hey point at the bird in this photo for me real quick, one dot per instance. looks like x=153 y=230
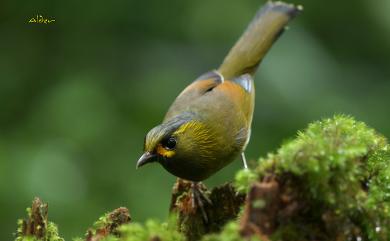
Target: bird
x=209 y=123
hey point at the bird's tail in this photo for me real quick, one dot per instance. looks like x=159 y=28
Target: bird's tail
x=262 y=32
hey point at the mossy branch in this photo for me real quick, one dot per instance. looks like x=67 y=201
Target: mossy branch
x=225 y=206
x=36 y=226
x=332 y=182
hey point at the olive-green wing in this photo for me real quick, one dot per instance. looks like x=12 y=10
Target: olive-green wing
x=191 y=93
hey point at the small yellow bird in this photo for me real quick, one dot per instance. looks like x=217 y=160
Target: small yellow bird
x=209 y=123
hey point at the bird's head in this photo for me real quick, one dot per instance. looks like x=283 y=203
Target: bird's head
x=176 y=143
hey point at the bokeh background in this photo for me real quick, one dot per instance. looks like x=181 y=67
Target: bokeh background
x=77 y=96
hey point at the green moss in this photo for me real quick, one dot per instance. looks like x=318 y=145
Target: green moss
x=78 y=239
x=166 y=231
x=377 y=203
x=102 y=222
x=110 y=238
x=108 y=224
x=50 y=232
x=340 y=168
x=243 y=179
x=27 y=238
x=229 y=233
x=330 y=155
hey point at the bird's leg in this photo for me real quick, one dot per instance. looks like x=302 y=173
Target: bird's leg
x=198 y=198
x=244 y=160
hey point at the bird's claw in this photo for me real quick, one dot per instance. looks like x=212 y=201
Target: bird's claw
x=197 y=200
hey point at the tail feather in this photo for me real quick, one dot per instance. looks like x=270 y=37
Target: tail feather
x=262 y=32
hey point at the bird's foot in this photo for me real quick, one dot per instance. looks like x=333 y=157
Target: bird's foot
x=199 y=199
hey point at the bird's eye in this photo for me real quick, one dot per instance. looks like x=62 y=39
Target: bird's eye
x=170 y=143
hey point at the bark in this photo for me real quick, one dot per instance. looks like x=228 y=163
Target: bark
x=225 y=206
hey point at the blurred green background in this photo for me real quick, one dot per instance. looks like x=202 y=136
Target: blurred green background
x=77 y=96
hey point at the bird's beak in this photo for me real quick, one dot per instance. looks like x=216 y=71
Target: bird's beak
x=146 y=158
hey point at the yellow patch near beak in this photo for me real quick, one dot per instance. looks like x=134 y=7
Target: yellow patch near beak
x=164 y=152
